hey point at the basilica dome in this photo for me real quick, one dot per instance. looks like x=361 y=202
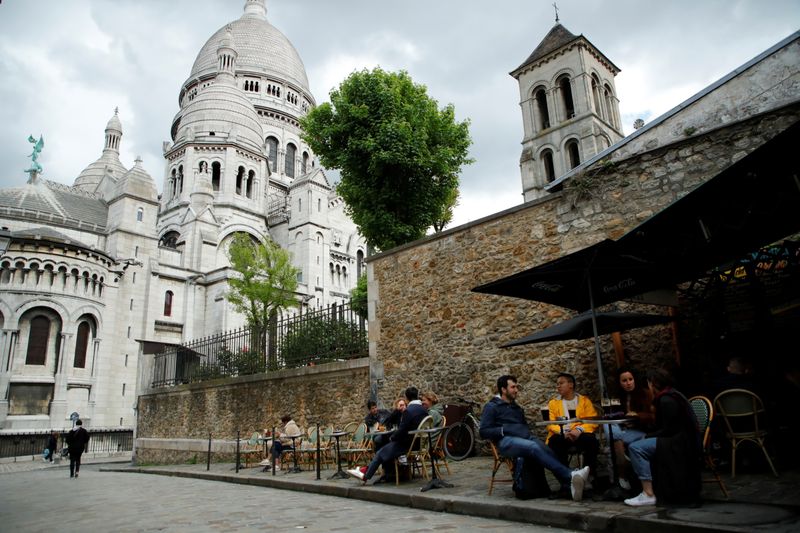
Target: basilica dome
x=221 y=110
x=262 y=49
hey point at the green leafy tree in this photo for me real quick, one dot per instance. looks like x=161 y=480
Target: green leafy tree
x=447 y=213
x=265 y=285
x=358 y=297
x=399 y=155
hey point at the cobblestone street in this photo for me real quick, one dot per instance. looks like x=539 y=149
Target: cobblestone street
x=45 y=499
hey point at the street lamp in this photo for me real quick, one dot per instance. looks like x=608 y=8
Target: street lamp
x=5 y=240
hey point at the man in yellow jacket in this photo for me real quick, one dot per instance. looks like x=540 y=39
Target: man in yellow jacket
x=560 y=438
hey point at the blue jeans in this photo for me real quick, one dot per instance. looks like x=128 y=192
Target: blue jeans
x=536 y=450
x=627 y=435
x=641 y=452
x=385 y=456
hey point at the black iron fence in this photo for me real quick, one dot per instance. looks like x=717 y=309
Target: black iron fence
x=335 y=333
x=33 y=443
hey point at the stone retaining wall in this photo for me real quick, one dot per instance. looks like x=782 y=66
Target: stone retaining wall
x=429 y=330
x=174 y=423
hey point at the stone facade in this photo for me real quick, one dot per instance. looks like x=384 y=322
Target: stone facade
x=428 y=329
x=111 y=256
x=175 y=423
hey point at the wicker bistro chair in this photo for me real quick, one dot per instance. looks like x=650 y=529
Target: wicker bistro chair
x=743 y=413
x=356 y=450
x=417 y=453
x=438 y=448
x=308 y=449
x=704 y=413
x=499 y=461
x=252 y=450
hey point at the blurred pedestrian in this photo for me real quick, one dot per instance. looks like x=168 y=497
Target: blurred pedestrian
x=77 y=441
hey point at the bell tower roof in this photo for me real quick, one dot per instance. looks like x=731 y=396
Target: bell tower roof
x=557 y=38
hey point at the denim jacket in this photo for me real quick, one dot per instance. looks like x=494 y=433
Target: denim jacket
x=501 y=418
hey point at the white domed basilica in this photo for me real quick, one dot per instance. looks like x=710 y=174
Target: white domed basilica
x=98 y=273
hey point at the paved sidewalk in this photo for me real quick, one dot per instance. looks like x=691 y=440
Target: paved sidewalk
x=757 y=502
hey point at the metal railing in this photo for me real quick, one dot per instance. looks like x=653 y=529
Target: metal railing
x=33 y=443
x=335 y=333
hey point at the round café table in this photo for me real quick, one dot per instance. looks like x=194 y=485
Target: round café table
x=435 y=482
x=339 y=474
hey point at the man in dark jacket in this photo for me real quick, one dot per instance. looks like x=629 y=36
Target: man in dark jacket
x=503 y=422
x=77 y=439
x=400 y=439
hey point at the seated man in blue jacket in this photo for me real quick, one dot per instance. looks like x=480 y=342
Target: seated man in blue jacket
x=503 y=422
x=400 y=439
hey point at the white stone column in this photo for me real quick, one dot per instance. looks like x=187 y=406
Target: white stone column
x=8 y=347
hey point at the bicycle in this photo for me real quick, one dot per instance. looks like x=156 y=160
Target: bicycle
x=460 y=437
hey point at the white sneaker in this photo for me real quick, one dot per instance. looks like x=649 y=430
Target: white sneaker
x=641 y=500
x=624 y=483
x=356 y=473
x=579 y=478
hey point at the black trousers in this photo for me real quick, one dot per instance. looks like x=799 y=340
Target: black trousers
x=586 y=444
x=74 y=463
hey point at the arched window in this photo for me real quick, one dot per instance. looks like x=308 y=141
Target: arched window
x=598 y=108
x=168 y=303
x=173 y=183
x=319 y=205
x=549 y=169
x=251 y=178
x=299 y=205
x=304 y=167
x=180 y=179
x=566 y=96
x=359 y=263
x=272 y=153
x=216 y=172
x=37 y=341
x=609 y=97
x=170 y=240
x=541 y=105
x=291 y=153
x=573 y=154
x=239 y=179
x=139 y=214
x=82 y=344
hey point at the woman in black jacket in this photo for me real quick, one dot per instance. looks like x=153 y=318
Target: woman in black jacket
x=667 y=460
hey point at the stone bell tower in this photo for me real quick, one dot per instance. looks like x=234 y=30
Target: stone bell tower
x=569 y=107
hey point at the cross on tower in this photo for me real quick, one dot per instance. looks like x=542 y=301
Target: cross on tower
x=555 y=6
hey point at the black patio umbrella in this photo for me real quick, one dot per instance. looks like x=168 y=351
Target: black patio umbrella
x=580 y=326
x=603 y=273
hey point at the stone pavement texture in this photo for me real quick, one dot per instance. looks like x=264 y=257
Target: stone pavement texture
x=758 y=502
x=45 y=500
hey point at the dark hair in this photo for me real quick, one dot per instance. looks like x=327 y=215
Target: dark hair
x=660 y=378
x=371 y=404
x=570 y=377
x=286 y=418
x=79 y=422
x=412 y=394
x=502 y=382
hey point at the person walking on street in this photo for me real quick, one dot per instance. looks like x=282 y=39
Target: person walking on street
x=77 y=440
x=52 y=444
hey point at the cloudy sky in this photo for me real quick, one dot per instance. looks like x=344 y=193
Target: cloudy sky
x=65 y=66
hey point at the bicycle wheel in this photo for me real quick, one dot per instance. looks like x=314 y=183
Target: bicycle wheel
x=459 y=441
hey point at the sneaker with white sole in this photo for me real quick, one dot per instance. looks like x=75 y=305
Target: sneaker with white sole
x=624 y=484
x=641 y=500
x=356 y=473
x=578 y=482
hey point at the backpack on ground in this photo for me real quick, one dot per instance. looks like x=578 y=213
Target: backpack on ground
x=529 y=480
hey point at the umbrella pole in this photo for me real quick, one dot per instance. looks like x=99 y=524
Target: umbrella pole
x=597 y=354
